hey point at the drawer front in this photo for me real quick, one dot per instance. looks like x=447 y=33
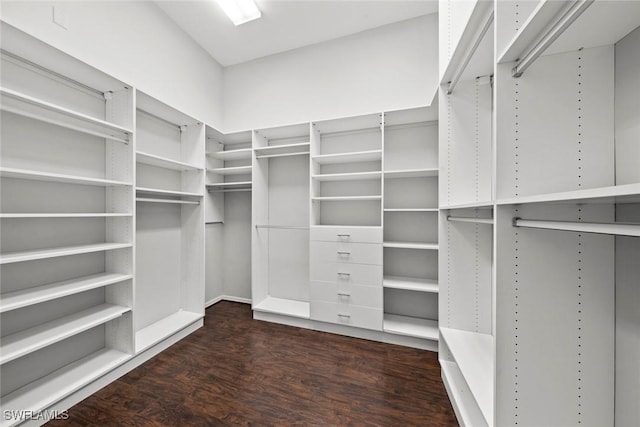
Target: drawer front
x=345 y=294
x=346 y=234
x=356 y=316
x=339 y=272
x=358 y=253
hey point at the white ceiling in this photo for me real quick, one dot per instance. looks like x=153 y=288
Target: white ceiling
x=285 y=24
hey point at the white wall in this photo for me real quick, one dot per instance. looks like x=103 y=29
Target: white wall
x=136 y=43
x=390 y=67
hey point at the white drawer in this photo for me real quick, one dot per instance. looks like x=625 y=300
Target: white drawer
x=340 y=272
x=346 y=234
x=352 y=315
x=346 y=294
x=358 y=253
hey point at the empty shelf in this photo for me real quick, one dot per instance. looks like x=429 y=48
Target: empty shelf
x=65 y=215
x=345 y=198
x=353 y=157
x=411 y=245
x=354 y=176
x=46 y=391
x=237 y=170
x=164 y=328
x=56 y=177
x=27 y=106
x=411 y=209
x=411 y=173
x=22 y=343
x=411 y=326
x=20 y=256
x=282 y=150
x=163 y=162
x=18 y=299
x=170 y=193
x=168 y=201
x=286 y=307
x=238 y=184
x=471 y=205
x=239 y=154
x=629 y=193
x=410 y=284
x=473 y=353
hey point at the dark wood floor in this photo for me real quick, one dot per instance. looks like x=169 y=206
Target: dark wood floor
x=236 y=370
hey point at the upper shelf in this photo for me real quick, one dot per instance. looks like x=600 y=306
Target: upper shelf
x=282 y=150
x=352 y=157
x=239 y=154
x=27 y=106
x=629 y=193
x=612 y=19
x=411 y=173
x=237 y=170
x=35 y=254
x=56 y=177
x=351 y=176
x=163 y=162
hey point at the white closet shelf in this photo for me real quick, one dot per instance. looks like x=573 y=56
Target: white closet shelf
x=236 y=170
x=170 y=193
x=284 y=149
x=352 y=157
x=164 y=162
x=65 y=215
x=23 y=298
x=167 y=201
x=46 y=391
x=411 y=173
x=353 y=176
x=27 y=106
x=410 y=326
x=164 y=328
x=628 y=193
x=31 y=255
x=410 y=284
x=56 y=177
x=239 y=154
x=473 y=353
x=411 y=209
x=24 y=342
x=286 y=307
x=345 y=198
x=238 y=184
x=471 y=205
x=464 y=405
x=411 y=245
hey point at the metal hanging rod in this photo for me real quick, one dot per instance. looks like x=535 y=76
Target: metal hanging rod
x=160 y=119
x=555 y=31
x=214 y=222
x=615 y=228
x=229 y=190
x=268 y=156
x=477 y=39
x=284 y=227
x=473 y=220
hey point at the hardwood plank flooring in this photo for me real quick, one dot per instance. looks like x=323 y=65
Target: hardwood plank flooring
x=240 y=371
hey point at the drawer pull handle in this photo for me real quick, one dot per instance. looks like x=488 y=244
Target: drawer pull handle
x=344 y=294
x=344 y=253
x=348 y=316
x=344 y=274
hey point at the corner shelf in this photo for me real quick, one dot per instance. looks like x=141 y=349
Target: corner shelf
x=18 y=299
x=31 y=255
x=239 y=154
x=164 y=328
x=410 y=326
x=27 y=106
x=282 y=150
x=411 y=245
x=24 y=342
x=164 y=162
x=352 y=157
x=56 y=177
x=351 y=176
x=410 y=284
x=284 y=307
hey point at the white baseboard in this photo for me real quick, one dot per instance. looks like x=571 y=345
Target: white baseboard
x=236 y=299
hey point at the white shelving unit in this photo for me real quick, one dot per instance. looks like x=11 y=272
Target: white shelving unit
x=170 y=154
x=280 y=222
x=411 y=224
x=539 y=213
x=66 y=171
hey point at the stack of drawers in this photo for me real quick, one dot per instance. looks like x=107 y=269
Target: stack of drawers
x=346 y=276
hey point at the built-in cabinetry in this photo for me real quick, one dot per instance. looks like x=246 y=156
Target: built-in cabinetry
x=540 y=212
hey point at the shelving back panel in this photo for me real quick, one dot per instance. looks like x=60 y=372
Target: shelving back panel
x=352 y=134
x=555 y=319
x=350 y=213
x=556 y=124
x=465 y=132
x=512 y=16
x=410 y=193
x=417 y=227
x=452 y=18
x=466 y=289
x=412 y=304
x=421 y=264
x=369 y=187
x=284 y=135
x=411 y=139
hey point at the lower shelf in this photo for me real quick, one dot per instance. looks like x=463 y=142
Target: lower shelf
x=287 y=307
x=54 y=387
x=473 y=353
x=466 y=409
x=410 y=284
x=411 y=326
x=156 y=332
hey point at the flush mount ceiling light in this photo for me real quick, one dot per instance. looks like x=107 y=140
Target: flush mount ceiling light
x=240 y=11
